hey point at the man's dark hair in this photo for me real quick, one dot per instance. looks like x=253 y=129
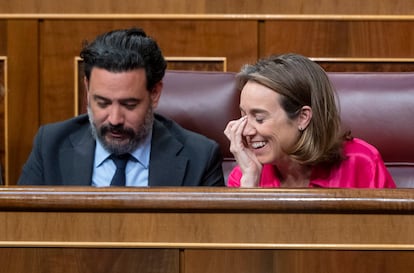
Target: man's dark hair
x=125 y=50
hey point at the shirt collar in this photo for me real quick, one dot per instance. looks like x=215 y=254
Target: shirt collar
x=141 y=154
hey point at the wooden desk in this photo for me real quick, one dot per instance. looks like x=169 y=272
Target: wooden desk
x=197 y=230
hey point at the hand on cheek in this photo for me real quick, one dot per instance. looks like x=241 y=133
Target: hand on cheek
x=234 y=130
x=246 y=159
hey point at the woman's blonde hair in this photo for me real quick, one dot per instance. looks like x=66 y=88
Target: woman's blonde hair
x=302 y=82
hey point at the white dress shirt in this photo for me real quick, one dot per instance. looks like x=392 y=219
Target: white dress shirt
x=136 y=170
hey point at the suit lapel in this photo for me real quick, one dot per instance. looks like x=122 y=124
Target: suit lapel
x=78 y=160
x=167 y=167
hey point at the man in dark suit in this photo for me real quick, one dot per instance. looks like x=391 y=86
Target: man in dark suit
x=123 y=78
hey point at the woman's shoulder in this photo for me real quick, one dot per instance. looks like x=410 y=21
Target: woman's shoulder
x=365 y=162
x=357 y=146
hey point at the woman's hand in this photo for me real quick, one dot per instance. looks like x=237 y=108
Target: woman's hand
x=251 y=168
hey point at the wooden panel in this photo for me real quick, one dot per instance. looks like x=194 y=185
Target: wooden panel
x=80 y=260
x=23 y=93
x=61 y=42
x=224 y=261
x=99 y=260
x=200 y=230
x=311 y=7
x=263 y=229
x=197 y=63
x=297 y=261
x=3 y=35
x=211 y=6
x=339 y=261
x=366 y=65
x=3 y=130
x=219 y=217
x=3 y=57
x=342 y=38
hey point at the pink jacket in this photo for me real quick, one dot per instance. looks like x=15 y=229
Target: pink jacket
x=363 y=167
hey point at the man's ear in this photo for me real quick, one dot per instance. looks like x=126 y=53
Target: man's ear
x=305 y=117
x=156 y=93
x=86 y=84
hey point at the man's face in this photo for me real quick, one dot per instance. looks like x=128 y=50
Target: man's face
x=120 y=108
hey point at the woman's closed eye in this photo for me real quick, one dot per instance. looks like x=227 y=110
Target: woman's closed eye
x=259 y=119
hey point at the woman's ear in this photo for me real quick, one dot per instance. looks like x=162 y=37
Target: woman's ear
x=305 y=116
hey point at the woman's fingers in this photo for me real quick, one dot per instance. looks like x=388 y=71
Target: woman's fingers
x=247 y=161
x=235 y=127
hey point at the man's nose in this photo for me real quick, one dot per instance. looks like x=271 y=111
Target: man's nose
x=116 y=115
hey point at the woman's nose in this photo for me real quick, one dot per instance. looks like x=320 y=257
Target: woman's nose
x=248 y=129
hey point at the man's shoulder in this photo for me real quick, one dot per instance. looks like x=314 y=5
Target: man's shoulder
x=74 y=122
x=61 y=130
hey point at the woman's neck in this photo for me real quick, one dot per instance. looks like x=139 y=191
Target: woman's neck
x=293 y=175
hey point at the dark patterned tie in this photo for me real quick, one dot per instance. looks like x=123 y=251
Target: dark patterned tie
x=120 y=161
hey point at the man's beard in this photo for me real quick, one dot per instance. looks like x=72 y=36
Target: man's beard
x=134 y=139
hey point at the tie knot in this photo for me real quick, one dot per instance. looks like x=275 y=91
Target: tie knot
x=120 y=160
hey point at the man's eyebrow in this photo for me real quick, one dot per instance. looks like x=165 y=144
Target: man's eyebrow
x=97 y=97
x=126 y=100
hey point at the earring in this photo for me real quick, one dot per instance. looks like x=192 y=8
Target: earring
x=300 y=128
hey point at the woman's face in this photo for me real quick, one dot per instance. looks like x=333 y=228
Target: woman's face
x=269 y=133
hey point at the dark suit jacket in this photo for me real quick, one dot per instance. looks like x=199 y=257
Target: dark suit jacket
x=63 y=154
